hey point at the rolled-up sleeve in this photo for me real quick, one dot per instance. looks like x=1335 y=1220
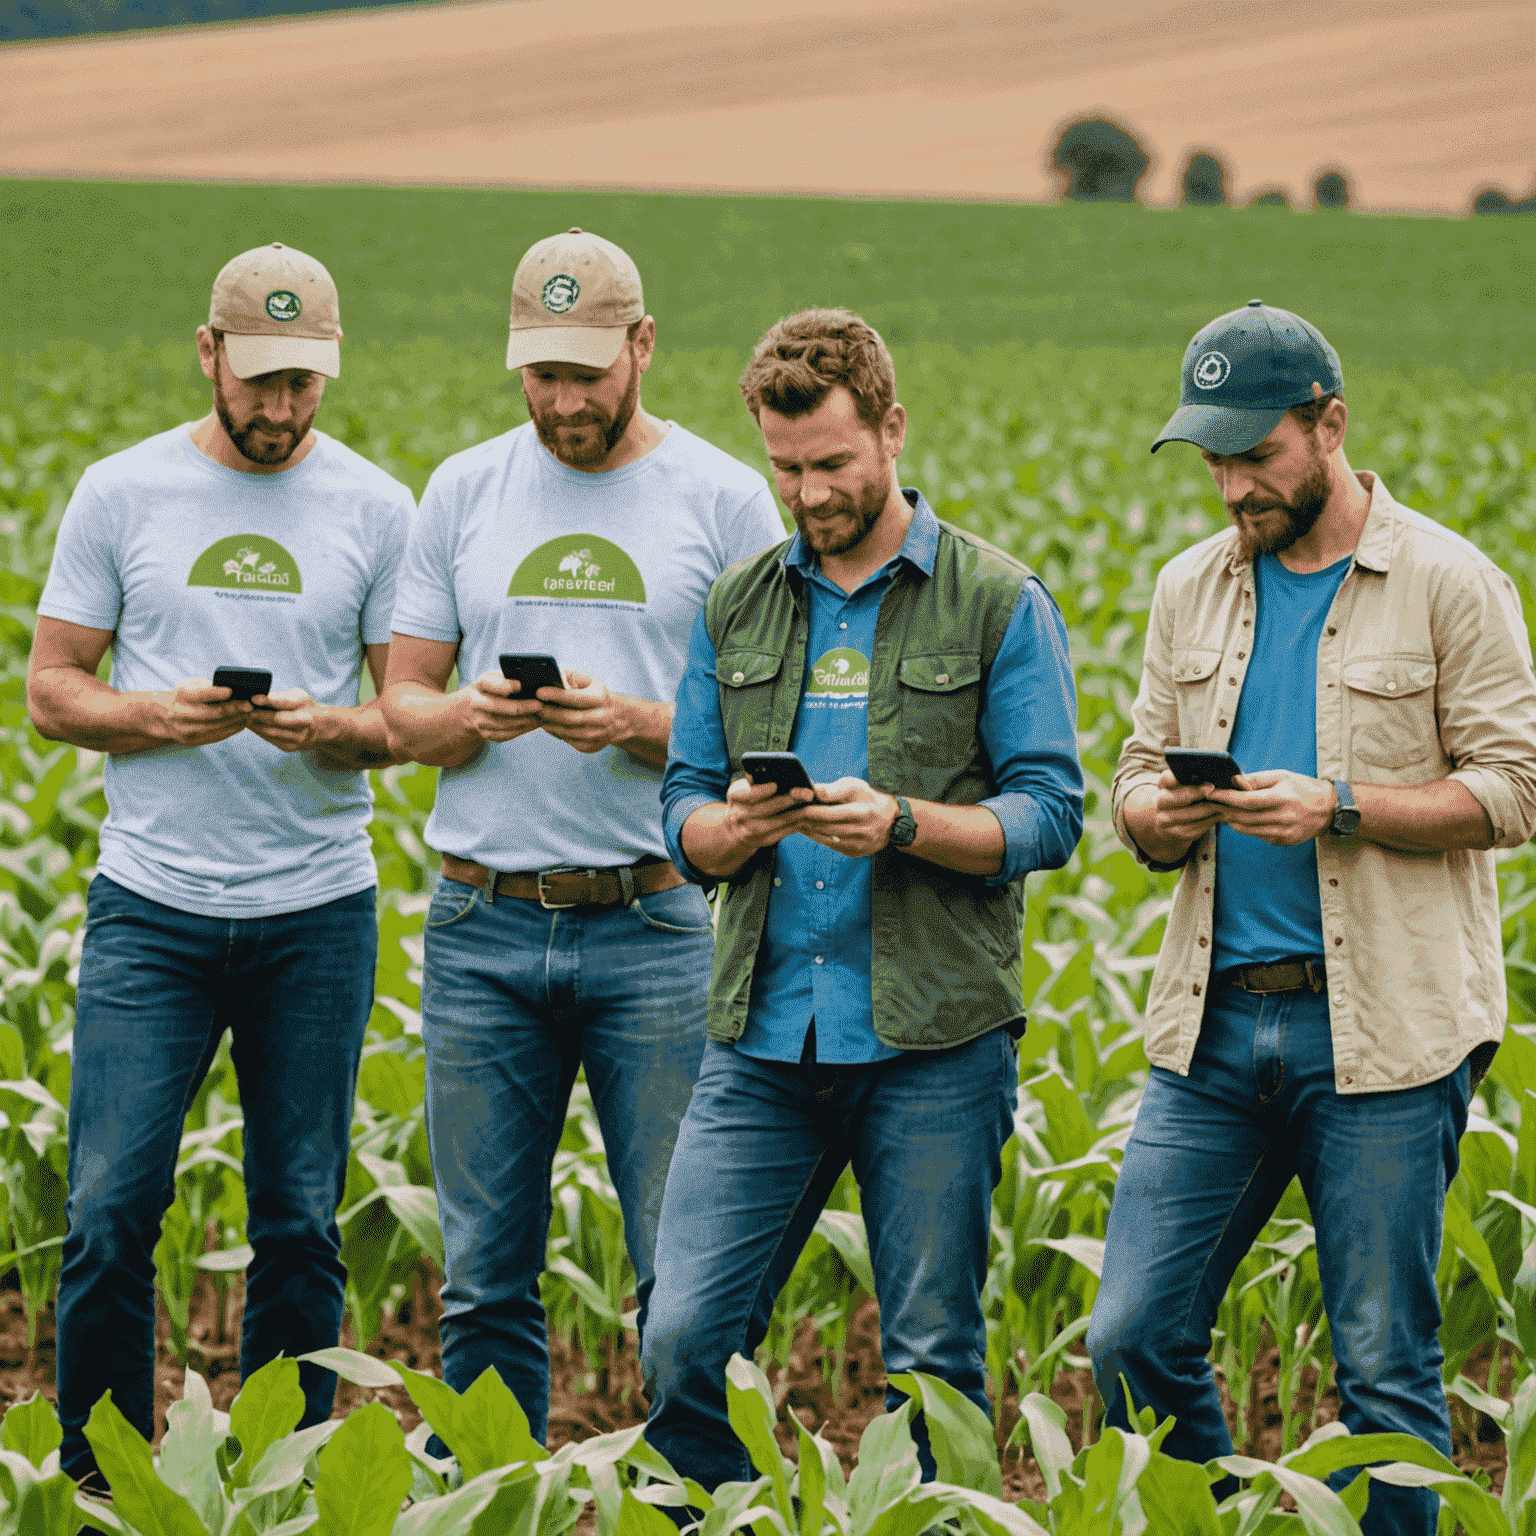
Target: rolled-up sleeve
x=1028 y=726
x=698 y=763
x=1487 y=700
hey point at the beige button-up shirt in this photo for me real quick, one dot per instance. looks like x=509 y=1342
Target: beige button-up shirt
x=1423 y=672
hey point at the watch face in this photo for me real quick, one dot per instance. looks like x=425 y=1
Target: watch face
x=1346 y=821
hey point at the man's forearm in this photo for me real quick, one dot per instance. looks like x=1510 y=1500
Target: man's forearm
x=428 y=726
x=651 y=728
x=966 y=838
x=362 y=740
x=1140 y=814
x=1424 y=818
x=67 y=704
x=708 y=843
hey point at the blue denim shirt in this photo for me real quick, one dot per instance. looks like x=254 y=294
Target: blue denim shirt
x=815 y=958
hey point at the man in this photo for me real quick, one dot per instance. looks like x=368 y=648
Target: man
x=865 y=996
x=560 y=935
x=1331 y=984
x=235 y=889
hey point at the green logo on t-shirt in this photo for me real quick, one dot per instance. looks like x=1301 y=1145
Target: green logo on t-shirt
x=248 y=562
x=842 y=674
x=580 y=567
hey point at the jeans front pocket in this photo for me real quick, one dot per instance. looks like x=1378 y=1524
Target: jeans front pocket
x=451 y=900
x=680 y=909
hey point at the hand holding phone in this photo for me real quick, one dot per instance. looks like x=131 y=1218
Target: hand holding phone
x=783 y=770
x=532 y=671
x=1190 y=766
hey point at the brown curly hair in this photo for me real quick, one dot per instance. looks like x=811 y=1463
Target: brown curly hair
x=807 y=354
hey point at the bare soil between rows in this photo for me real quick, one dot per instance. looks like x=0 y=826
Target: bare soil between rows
x=591 y=1398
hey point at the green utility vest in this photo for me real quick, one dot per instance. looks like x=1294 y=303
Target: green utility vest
x=945 y=946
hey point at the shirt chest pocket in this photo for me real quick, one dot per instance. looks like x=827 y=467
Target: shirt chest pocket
x=1194 y=683
x=1391 y=701
x=940 y=699
x=746 y=680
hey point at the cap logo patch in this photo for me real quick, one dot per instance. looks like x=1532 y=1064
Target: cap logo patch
x=1211 y=371
x=283 y=305
x=560 y=293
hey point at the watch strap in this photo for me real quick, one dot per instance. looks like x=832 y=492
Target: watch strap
x=904 y=828
x=1346 y=814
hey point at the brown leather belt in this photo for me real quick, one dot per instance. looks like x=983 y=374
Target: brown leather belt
x=1282 y=976
x=568 y=890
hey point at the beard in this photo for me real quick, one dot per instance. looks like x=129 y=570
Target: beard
x=864 y=508
x=1298 y=516
x=589 y=436
x=244 y=437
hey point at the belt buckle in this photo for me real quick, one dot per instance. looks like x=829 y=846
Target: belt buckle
x=557 y=906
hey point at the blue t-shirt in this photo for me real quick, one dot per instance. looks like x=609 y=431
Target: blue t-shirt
x=194 y=566
x=515 y=551
x=814 y=959
x=1267 y=905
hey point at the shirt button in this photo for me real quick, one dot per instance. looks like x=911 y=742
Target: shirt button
x=821 y=885
x=1232 y=682
x=1338 y=997
x=843 y=625
x=1221 y=722
x=1241 y=655
x=941 y=677
x=1391 y=687
x=738 y=677
x=1349 y=1079
x=1332 y=630
x=777 y=881
x=820 y=961
x=1197 y=989
x=1333 y=882
x=1203 y=943
x=1338 y=942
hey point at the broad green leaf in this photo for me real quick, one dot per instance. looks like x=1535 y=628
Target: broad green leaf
x=415 y=1208
x=484 y=1428
x=32 y=1428
x=138 y=1495
x=284 y=1462
x=753 y=1416
x=887 y=1469
x=365 y=1475
x=637 y=1519
x=453 y=1514
x=187 y=1451
x=48 y=1509
x=1087 y=1251
x=354 y=1366
x=1047 y=1426
x=1176 y=1496
x=920 y=1511
x=811 y=1485
x=1321 y=1510
x=1338 y=1451
x=992 y=1517
x=1520 y=1459
x=959 y=1433
x=845 y=1231
x=269 y=1404
x=1525 y=1303
x=1460 y=1231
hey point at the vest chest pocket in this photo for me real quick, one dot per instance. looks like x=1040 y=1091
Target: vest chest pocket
x=1194 y=681
x=746 y=680
x=1391 y=721
x=940 y=697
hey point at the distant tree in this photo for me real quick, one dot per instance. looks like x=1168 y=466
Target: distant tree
x=1331 y=190
x=1102 y=161
x=1496 y=200
x=1205 y=180
x=1273 y=197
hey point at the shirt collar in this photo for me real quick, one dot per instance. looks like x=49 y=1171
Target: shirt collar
x=919 y=549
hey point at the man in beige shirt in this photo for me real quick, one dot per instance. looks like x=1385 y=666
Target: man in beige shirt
x=1331 y=984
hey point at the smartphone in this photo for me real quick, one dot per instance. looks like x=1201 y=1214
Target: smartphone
x=532 y=672
x=783 y=770
x=1189 y=766
x=243 y=682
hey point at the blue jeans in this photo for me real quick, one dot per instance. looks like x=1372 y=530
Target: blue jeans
x=158 y=987
x=761 y=1147
x=1209 y=1158
x=514 y=999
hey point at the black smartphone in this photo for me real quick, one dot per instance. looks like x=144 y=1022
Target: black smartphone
x=1190 y=766
x=782 y=769
x=243 y=682
x=532 y=672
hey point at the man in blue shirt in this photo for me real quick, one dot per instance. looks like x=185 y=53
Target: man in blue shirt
x=865 y=995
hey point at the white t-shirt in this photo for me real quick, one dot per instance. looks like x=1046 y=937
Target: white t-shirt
x=196 y=566
x=516 y=552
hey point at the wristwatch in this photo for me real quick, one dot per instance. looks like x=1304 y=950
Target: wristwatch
x=904 y=828
x=1346 y=814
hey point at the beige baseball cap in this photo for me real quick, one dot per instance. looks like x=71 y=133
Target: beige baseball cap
x=573 y=298
x=278 y=308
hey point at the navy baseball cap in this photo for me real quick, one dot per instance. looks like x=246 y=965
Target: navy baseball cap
x=1243 y=372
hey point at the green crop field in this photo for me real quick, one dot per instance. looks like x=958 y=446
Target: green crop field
x=1037 y=353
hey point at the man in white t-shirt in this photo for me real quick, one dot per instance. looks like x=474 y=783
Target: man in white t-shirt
x=560 y=935
x=235 y=888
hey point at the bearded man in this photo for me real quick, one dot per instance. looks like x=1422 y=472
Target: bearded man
x=235 y=888
x=560 y=935
x=866 y=991
x=1331 y=985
